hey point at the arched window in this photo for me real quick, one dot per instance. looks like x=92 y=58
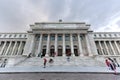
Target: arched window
x=44 y=46
x=59 y=47
x=67 y=47
x=75 y=46
x=52 y=47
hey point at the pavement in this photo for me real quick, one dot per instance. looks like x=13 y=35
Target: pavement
x=59 y=73
x=59 y=69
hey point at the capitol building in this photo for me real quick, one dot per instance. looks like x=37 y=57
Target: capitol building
x=23 y=53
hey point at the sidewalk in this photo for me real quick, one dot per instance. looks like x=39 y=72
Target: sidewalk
x=58 y=69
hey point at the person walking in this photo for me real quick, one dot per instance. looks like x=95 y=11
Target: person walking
x=68 y=56
x=112 y=64
x=117 y=64
x=45 y=62
x=108 y=63
x=4 y=63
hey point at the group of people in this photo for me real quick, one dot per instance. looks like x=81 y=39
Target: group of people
x=51 y=60
x=112 y=63
x=4 y=62
x=45 y=61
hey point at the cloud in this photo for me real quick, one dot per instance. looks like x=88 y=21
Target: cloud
x=16 y=15
x=113 y=24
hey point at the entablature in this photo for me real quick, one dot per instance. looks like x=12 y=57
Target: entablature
x=13 y=35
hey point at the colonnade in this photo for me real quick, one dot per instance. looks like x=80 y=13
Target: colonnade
x=108 y=47
x=11 y=47
x=74 y=40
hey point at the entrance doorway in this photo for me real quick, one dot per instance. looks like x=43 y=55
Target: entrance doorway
x=68 y=50
x=76 y=50
x=43 y=51
x=59 y=50
x=52 y=51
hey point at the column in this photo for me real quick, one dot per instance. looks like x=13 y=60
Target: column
x=19 y=48
x=101 y=48
x=106 y=48
x=71 y=42
x=0 y=42
x=13 y=50
x=32 y=44
x=56 y=49
x=48 y=43
x=88 y=45
x=117 y=47
x=80 y=46
x=64 y=45
x=40 y=44
x=0 y=45
x=8 y=48
x=112 y=48
x=5 y=42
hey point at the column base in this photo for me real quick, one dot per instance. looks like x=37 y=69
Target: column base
x=46 y=55
x=73 y=54
x=90 y=55
x=64 y=55
x=81 y=55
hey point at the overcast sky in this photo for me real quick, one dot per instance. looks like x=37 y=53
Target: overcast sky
x=17 y=15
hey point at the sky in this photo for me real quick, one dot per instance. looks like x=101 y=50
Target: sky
x=17 y=15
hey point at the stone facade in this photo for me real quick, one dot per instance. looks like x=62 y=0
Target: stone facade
x=58 y=40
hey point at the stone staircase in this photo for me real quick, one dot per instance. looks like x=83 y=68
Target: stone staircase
x=58 y=61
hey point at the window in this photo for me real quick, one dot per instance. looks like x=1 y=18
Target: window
x=20 y=35
x=5 y=35
x=110 y=35
x=105 y=35
x=59 y=47
x=75 y=46
x=99 y=35
x=24 y=35
x=45 y=37
x=15 y=35
x=74 y=37
x=10 y=36
x=52 y=37
x=94 y=35
x=81 y=37
x=67 y=47
x=59 y=37
x=42 y=79
x=52 y=47
x=67 y=37
x=115 y=35
x=37 y=37
x=44 y=46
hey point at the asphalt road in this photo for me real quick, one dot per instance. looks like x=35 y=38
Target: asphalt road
x=59 y=76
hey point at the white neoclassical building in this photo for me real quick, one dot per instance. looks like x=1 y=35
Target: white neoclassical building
x=57 y=40
x=22 y=54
